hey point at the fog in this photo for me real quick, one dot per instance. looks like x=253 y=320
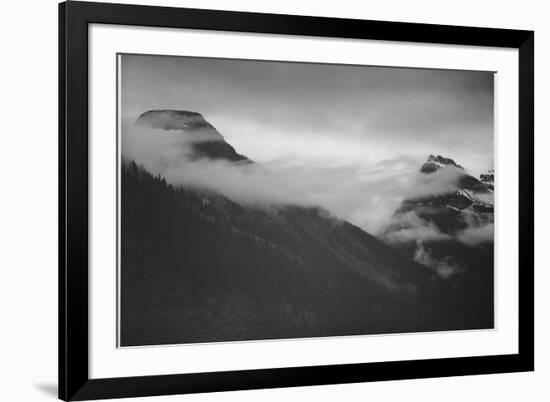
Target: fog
x=365 y=195
x=477 y=234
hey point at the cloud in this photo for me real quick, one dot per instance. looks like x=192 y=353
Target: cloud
x=475 y=235
x=410 y=227
x=366 y=195
x=445 y=267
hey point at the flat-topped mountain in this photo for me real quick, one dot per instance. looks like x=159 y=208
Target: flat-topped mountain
x=167 y=119
x=205 y=141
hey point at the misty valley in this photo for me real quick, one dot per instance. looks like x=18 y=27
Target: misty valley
x=199 y=263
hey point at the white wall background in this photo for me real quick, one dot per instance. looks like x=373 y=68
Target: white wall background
x=28 y=199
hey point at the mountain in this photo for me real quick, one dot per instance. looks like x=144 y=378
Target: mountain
x=488 y=179
x=199 y=267
x=467 y=205
x=434 y=163
x=452 y=232
x=205 y=140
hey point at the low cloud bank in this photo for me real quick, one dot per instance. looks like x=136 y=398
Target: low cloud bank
x=477 y=235
x=410 y=227
x=366 y=195
x=407 y=228
x=446 y=267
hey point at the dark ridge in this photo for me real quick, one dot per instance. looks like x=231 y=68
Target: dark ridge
x=218 y=150
x=468 y=182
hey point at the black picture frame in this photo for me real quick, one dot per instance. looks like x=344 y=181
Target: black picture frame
x=74 y=380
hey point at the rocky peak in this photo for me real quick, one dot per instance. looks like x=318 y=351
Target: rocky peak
x=435 y=163
x=469 y=191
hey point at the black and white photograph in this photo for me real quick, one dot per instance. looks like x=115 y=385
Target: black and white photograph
x=213 y=201
x=273 y=200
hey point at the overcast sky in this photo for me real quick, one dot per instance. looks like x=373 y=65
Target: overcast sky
x=365 y=126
